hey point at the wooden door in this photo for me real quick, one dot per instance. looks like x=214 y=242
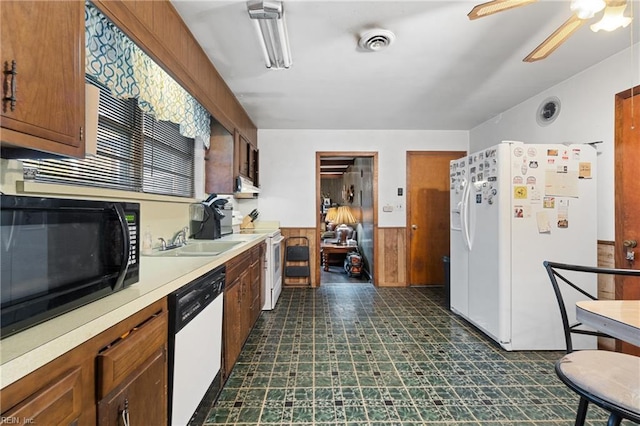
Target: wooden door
x=46 y=41
x=627 y=195
x=428 y=214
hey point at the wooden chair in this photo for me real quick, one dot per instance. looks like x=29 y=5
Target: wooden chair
x=610 y=380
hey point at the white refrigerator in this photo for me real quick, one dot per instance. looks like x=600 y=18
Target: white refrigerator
x=513 y=206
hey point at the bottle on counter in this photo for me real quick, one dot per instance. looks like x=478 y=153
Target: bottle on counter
x=147 y=242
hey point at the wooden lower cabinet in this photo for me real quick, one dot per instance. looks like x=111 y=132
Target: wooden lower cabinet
x=57 y=403
x=91 y=384
x=232 y=328
x=132 y=376
x=138 y=399
x=242 y=302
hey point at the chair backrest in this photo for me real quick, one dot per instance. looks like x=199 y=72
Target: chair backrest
x=556 y=277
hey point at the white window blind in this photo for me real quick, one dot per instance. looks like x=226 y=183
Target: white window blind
x=134 y=153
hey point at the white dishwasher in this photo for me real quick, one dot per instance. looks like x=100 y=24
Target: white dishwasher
x=195 y=345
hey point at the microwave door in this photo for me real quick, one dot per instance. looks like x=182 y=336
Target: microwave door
x=126 y=242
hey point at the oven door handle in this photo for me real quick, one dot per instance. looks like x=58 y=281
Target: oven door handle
x=126 y=246
x=277 y=240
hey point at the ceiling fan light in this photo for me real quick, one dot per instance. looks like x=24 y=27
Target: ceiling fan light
x=586 y=9
x=613 y=19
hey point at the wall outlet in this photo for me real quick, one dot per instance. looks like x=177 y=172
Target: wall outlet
x=398 y=207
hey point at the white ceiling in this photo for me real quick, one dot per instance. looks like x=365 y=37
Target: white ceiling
x=443 y=71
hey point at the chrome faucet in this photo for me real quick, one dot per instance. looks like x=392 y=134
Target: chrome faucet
x=180 y=239
x=163 y=244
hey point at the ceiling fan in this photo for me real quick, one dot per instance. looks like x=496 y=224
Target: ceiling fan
x=583 y=10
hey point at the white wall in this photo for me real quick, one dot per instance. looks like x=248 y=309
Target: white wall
x=288 y=167
x=587 y=114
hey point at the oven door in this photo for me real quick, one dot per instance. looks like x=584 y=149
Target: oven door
x=58 y=254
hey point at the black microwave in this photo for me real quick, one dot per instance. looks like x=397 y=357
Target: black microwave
x=58 y=254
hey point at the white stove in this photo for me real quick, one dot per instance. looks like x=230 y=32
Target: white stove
x=273 y=262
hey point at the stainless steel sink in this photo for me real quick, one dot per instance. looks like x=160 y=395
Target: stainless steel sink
x=198 y=248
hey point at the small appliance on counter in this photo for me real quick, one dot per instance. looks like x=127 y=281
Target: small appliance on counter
x=59 y=254
x=210 y=219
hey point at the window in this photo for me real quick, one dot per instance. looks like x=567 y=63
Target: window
x=134 y=153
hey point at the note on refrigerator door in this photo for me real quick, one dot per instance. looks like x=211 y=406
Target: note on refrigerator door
x=563 y=213
x=542 y=220
x=584 y=170
x=561 y=184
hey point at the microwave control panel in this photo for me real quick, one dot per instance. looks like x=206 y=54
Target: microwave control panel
x=132 y=221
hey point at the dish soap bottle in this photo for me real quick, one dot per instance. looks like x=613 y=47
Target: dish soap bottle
x=147 y=242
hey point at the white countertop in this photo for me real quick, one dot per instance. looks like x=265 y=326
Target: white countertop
x=30 y=349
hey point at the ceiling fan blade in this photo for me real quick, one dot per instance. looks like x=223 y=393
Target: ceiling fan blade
x=555 y=40
x=495 y=6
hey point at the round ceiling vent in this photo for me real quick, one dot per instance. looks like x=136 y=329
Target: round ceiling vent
x=548 y=111
x=375 y=40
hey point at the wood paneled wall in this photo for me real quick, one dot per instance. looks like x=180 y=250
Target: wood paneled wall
x=391 y=257
x=314 y=264
x=389 y=263
x=159 y=30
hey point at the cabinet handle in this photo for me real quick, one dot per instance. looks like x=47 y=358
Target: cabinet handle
x=125 y=413
x=12 y=72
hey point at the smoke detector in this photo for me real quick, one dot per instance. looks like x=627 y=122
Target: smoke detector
x=376 y=40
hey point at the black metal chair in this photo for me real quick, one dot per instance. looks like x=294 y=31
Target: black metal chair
x=610 y=380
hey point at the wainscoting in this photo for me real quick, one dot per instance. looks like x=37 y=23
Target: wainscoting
x=391 y=257
x=390 y=263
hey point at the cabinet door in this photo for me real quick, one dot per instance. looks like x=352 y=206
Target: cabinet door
x=141 y=399
x=218 y=166
x=232 y=324
x=242 y=155
x=59 y=403
x=46 y=41
x=247 y=299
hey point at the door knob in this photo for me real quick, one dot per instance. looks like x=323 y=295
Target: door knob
x=414 y=227
x=630 y=243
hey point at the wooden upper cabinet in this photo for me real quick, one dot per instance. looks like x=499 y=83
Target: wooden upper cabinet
x=219 y=161
x=46 y=41
x=247 y=158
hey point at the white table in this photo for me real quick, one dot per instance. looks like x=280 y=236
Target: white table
x=617 y=318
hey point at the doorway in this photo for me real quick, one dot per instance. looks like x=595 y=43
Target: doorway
x=428 y=215
x=346 y=181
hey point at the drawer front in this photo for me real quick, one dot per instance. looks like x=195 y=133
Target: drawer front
x=237 y=266
x=126 y=354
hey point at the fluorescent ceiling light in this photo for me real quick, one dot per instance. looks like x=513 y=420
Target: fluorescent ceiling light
x=268 y=18
x=613 y=18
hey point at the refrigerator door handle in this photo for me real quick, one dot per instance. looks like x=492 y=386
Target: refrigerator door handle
x=452 y=220
x=466 y=236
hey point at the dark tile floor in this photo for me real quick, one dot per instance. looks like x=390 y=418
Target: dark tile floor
x=353 y=354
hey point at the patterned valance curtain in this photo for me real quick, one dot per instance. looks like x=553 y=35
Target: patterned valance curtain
x=117 y=62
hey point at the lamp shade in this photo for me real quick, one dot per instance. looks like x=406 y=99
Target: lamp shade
x=331 y=214
x=345 y=215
